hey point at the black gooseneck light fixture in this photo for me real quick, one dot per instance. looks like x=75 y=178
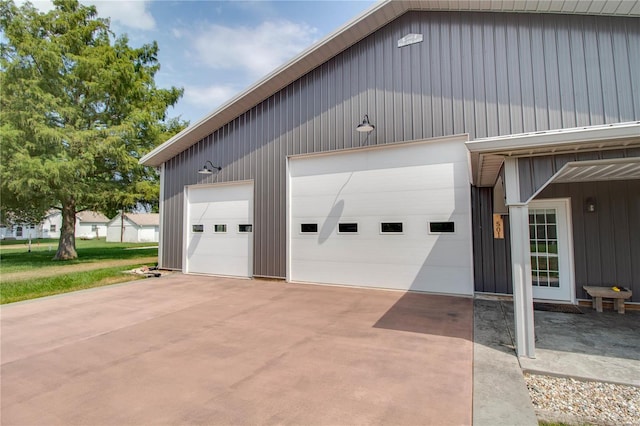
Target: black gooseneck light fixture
x=365 y=126
x=207 y=171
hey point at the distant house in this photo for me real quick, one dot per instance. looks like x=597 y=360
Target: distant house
x=20 y=231
x=89 y=225
x=50 y=226
x=134 y=228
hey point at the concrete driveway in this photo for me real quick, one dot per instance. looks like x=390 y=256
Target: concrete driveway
x=195 y=350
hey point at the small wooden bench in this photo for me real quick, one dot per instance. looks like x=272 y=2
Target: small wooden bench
x=597 y=293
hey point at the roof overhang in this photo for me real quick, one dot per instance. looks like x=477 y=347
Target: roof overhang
x=368 y=22
x=599 y=170
x=487 y=155
x=608 y=169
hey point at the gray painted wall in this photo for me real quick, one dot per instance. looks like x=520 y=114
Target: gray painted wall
x=491 y=256
x=485 y=74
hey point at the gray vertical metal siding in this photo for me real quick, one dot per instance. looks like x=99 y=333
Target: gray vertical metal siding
x=485 y=74
x=491 y=256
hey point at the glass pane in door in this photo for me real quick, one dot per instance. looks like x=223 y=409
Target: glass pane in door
x=543 y=237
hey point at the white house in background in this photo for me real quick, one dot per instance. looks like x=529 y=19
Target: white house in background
x=134 y=228
x=18 y=232
x=89 y=225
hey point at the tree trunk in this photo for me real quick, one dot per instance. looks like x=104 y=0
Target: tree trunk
x=67 y=243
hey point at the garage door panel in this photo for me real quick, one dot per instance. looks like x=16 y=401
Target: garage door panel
x=363 y=160
x=219 y=253
x=390 y=180
x=220 y=194
x=220 y=246
x=359 y=274
x=438 y=202
x=428 y=252
x=228 y=210
x=383 y=185
x=362 y=251
x=440 y=279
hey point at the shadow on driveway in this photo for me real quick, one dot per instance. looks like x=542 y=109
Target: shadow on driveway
x=430 y=314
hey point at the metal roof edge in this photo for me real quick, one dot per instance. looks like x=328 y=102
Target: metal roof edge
x=555 y=137
x=148 y=158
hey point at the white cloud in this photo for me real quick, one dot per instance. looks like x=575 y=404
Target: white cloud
x=256 y=50
x=41 y=5
x=128 y=13
x=209 y=96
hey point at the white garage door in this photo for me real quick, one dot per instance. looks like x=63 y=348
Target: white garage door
x=389 y=217
x=219 y=229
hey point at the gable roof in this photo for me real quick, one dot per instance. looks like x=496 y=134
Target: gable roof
x=357 y=29
x=143 y=219
x=91 y=216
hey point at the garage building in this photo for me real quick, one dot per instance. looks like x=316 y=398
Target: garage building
x=451 y=147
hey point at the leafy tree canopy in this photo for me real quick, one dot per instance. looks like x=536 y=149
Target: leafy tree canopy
x=79 y=107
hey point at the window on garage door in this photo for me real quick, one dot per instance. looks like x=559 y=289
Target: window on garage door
x=309 y=228
x=391 y=227
x=347 y=228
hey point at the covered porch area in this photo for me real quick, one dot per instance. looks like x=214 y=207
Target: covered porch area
x=570 y=200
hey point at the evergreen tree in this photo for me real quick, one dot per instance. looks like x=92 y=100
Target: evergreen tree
x=78 y=108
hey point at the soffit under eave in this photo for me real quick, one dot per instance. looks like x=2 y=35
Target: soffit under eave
x=599 y=170
x=486 y=165
x=608 y=169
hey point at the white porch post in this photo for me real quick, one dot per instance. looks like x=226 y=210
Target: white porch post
x=161 y=216
x=520 y=262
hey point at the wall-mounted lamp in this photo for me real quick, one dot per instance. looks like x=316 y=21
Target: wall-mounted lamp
x=365 y=126
x=207 y=171
x=590 y=205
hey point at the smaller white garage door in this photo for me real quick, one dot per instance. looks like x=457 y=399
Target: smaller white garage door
x=219 y=229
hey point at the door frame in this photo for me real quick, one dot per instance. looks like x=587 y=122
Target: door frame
x=565 y=229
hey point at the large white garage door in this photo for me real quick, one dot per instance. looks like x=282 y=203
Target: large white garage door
x=389 y=217
x=219 y=229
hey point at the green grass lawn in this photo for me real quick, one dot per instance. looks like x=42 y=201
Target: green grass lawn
x=15 y=291
x=13 y=259
x=27 y=275
x=9 y=243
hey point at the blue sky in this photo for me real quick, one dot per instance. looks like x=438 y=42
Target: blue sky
x=216 y=49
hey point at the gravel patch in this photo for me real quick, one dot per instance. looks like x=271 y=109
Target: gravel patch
x=574 y=402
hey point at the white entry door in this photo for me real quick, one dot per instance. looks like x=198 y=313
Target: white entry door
x=218 y=235
x=551 y=250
